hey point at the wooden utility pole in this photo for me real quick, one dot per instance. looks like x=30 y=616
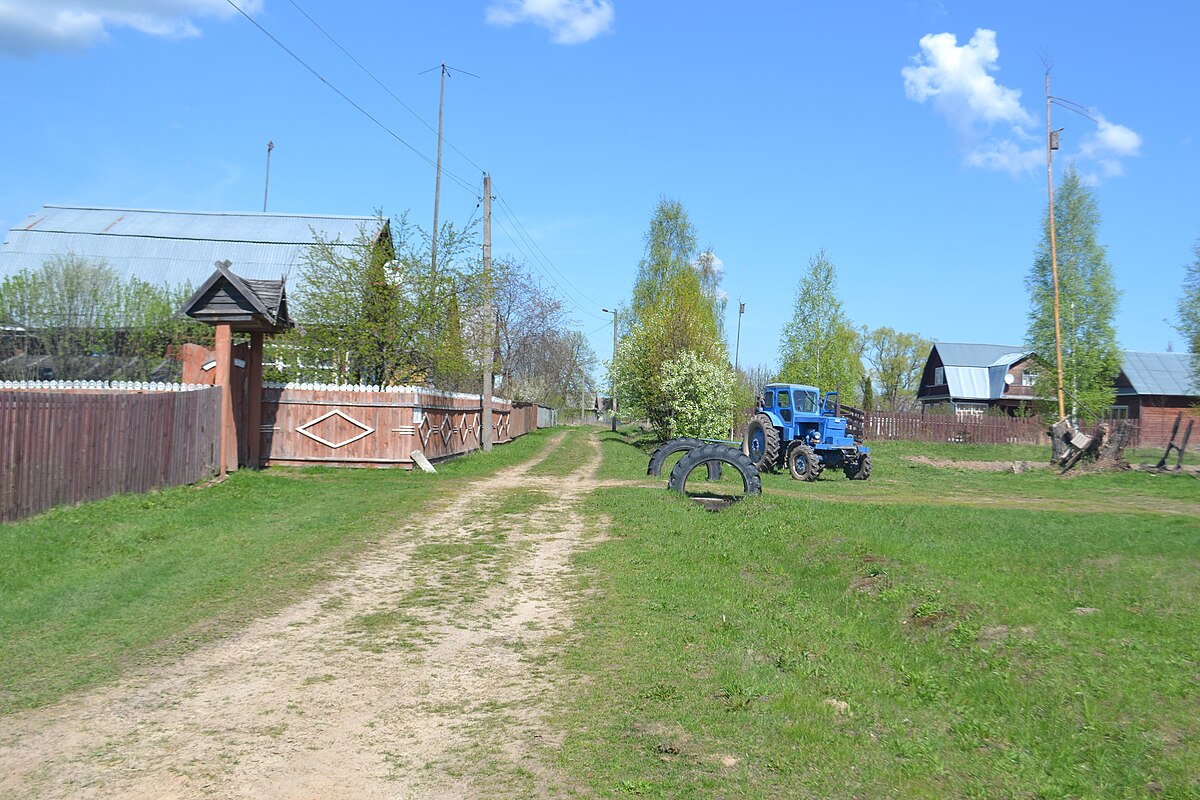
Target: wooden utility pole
x=1051 y=146
x=437 y=186
x=267 y=182
x=485 y=418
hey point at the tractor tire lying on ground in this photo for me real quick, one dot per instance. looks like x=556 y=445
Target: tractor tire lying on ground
x=722 y=454
x=761 y=444
x=682 y=444
x=859 y=470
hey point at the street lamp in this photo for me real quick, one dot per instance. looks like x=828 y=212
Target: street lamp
x=612 y=372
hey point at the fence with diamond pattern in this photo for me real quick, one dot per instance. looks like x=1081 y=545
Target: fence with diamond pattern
x=377 y=426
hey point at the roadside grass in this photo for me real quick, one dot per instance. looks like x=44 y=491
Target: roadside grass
x=88 y=592
x=932 y=633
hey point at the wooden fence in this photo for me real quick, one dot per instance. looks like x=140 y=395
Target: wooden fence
x=374 y=426
x=984 y=429
x=66 y=444
x=949 y=428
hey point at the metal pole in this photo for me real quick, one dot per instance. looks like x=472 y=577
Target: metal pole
x=485 y=419
x=1062 y=409
x=737 y=347
x=613 y=371
x=267 y=186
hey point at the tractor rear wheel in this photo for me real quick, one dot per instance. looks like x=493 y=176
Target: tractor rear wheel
x=761 y=445
x=859 y=470
x=803 y=463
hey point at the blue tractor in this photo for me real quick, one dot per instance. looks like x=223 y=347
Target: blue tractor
x=797 y=426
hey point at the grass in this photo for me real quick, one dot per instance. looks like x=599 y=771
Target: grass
x=91 y=591
x=929 y=633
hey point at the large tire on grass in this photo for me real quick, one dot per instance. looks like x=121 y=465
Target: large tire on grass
x=859 y=470
x=719 y=453
x=803 y=463
x=761 y=444
x=682 y=444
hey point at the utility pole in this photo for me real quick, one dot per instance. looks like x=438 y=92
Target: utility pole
x=1051 y=146
x=267 y=185
x=437 y=186
x=613 y=371
x=485 y=419
x=582 y=393
x=737 y=347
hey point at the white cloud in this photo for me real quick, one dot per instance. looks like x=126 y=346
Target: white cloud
x=28 y=27
x=569 y=21
x=988 y=117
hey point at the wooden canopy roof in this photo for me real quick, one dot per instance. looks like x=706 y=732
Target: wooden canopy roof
x=251 y=306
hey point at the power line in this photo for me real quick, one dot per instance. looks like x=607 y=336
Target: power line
x=464 y=184
x=371 y=75
x=543 y=259
x=536 y=256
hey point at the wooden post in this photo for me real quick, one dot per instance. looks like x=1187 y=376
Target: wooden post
x=485 y=396
x=224 y=347
x=254 y=392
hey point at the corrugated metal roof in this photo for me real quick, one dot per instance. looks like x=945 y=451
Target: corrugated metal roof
x=172 y=246
x=958 y=354
x=976 y=371
x=1159 y=373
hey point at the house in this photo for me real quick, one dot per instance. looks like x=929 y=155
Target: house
x=173 y=247
x=972 y=378
x=1152 y=388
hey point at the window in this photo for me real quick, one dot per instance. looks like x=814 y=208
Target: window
x=939 y=376
x=1118 y=412
x=785 y=400
x=1028 y=378
x=806 y=402
x=970 y=410
x=768 y=398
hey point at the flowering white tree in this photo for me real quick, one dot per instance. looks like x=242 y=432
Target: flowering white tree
x=700 y=393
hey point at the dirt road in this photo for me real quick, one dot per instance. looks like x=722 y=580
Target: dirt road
x=423 y=671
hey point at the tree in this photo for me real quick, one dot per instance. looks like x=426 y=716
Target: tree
x=1189 y=311
x=1087 y=306
x=674 y=309
x=373 y=311
x=73 y=319
x=819 y=346
x=895 y=360
x=539 y=357
x=701 y=394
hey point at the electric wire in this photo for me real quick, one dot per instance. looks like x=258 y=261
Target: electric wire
x=535 y=256
x=383 y=86
x=460 y=181
x=545 y=261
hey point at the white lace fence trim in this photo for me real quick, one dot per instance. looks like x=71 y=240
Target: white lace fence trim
x=146 y=386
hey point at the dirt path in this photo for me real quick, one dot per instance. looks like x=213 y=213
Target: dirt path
x=422 y=672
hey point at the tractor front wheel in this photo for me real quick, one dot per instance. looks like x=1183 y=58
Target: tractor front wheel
x=761 y=445
x=803 y=463
x=859 y=470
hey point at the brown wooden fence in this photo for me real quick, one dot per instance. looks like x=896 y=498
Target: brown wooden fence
x=66 y=445
x=949 y=428
x=371 y=426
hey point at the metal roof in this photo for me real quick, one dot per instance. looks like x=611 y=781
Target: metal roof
x=173 y=247
x=956 y=354
x=976 y=371
x=1159 y=373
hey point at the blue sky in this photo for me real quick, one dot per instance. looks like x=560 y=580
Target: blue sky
x=905 y=138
